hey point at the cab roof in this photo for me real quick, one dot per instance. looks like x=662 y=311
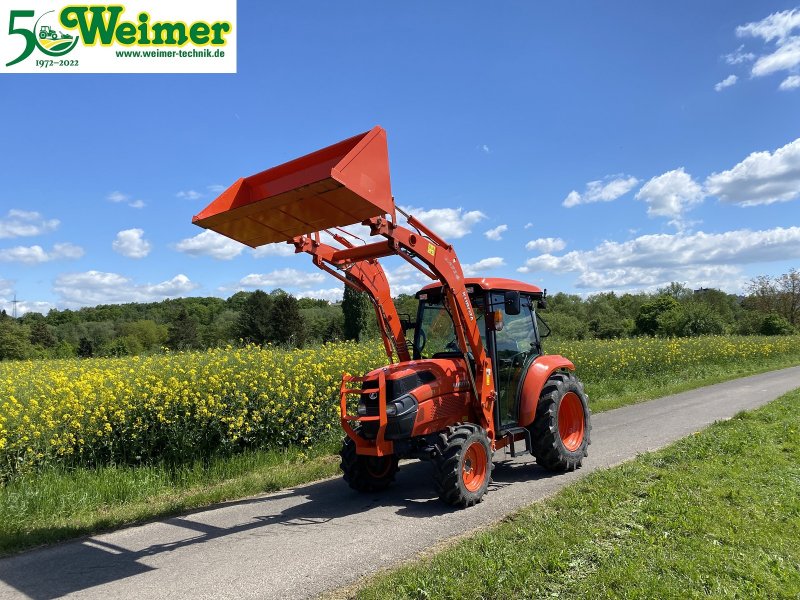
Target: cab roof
x=492 y=283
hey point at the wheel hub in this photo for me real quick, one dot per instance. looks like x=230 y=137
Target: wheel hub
x=571 y=421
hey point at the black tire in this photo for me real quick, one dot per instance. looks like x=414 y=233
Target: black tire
x=366 y=473
x=458 y=481
x=553 y=449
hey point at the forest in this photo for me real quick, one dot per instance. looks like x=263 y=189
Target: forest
x=770 y=306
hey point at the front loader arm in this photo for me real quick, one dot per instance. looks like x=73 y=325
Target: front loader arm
x=366 y=276
x=439 y=261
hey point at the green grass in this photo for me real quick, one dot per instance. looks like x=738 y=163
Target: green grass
x=714 y=515
x=611 y=393
x=58 y=503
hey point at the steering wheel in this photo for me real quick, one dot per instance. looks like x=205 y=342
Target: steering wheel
x=422 y=338
x=453 y=345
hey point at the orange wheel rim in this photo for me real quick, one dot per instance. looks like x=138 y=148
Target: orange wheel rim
x=473 y=469
x=571 y=421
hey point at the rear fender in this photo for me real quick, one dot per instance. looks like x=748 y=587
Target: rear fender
x=535 y=376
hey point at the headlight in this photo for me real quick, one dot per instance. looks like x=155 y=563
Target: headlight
x=403 y=405
x=362 y=409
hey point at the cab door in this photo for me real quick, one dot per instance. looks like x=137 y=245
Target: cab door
x=514 y=345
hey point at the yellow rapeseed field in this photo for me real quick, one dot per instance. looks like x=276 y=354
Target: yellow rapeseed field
x=177 y=407
x=172 y=407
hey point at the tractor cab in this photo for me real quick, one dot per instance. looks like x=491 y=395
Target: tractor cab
x=505 y=311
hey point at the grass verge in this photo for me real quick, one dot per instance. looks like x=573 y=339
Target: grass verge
x=58 y=504
x=714 y=515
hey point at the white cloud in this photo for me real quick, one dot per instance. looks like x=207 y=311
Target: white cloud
x=118 y=197
x=739 y=56
x=790 y=83
x=604 y=190
x=661 y=258
x=22 y=223
x=278 y=249
x=96 y=287
x=721 y=277
x=130 y=243
x=189 y=195
x=33 y=255
x=496 y=234
x=282 y=278
x=449 y=223
x=776 y=26
x=780 y=27
x=216 y=188
x=546 y=245
x=405 y=279
x=761 y=178
x=210 y=243
x=727 y=82
x=484 y=148
x=485 y=264
x=670 y=194
x=786 y=57
x=528 y=225
x=329 y=294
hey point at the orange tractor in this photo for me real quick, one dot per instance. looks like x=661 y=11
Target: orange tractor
x=472 y=379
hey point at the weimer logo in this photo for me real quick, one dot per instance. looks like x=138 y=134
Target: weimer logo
x=43 y=36
x=121 y=38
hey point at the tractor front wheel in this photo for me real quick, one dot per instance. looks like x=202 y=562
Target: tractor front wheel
x=366 y=473
x=560 y=431
x=462 y=465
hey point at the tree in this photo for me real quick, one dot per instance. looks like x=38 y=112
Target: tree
x=145 y=334
x=647 y=319
x=85 y=348
x=14 y=344
x=762 y=294
x=288 y=327
x=223 y=329
x=677 y=290
x=42 y=335
x=354 y=307
x=254 y=318
x=788 y=286
x=182 y=331
x=690 y=319
x=566 y=327
x=775 y=324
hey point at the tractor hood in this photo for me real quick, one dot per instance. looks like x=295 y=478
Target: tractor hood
x=426 y=378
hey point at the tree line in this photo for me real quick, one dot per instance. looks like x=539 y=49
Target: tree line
x=770 y=306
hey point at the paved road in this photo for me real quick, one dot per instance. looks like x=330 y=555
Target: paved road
x=301 y=542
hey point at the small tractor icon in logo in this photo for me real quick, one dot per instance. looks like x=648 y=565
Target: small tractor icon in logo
x=47 y=32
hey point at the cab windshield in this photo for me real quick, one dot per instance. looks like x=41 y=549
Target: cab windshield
x=435 y=332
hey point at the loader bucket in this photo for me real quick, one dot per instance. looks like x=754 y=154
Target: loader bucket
x=339 y=185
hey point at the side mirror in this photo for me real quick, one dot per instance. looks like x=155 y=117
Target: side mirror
x=512 y=303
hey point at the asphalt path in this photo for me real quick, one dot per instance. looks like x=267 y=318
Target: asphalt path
x=311 y=539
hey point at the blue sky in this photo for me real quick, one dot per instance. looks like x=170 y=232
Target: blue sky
x=583 y=147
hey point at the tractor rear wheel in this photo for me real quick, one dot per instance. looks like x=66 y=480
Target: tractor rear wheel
x=560 y=431
x=462 y=465
x=366 y=473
